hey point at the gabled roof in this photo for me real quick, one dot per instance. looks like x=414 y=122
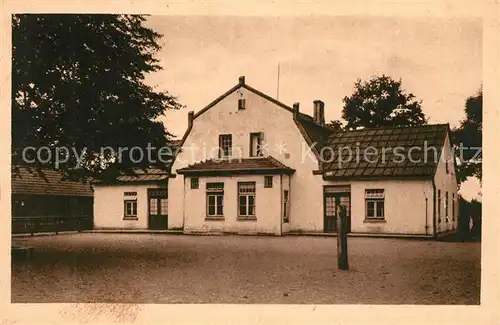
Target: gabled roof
x=399 y=159
x=257 y=165
x=320 y=137
x=314 y=134
x=308 y=128
x=150 y=174
x=239 y=85
x=29 y=181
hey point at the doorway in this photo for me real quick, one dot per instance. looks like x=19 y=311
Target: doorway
x=157 y=208
x=334 y=196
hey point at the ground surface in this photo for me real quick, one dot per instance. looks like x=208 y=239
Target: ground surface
x=145 y=268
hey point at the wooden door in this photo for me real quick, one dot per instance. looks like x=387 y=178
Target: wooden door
x=332 y=199
x=330 y=216
x=157 y=208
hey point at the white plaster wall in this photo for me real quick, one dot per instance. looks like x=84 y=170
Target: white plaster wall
x=404 y=204
x=279 y=130
x=267 y=207
x=446 y=182
x=108 y=206
x=176 y=202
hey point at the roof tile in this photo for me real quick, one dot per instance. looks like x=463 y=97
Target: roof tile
x=28 y=181
x=390 y=138
x=240 y=165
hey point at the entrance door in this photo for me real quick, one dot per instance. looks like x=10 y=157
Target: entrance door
x=330 y=220
x=334 y=196
x=157 y=208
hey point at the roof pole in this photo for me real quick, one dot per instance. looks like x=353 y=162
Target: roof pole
x=278 y=86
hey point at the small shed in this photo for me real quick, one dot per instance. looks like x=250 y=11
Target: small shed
x=44 y=201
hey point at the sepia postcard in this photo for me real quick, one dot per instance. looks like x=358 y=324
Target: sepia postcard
x=249 y=162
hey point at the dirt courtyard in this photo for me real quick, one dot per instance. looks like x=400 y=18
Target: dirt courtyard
x=159 y=268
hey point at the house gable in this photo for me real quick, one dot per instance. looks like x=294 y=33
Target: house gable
x=262 y=112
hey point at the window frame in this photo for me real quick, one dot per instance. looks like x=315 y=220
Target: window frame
x=446 y=202
x=439 y=205
x=247 y=195
x=286 y=210
x=256 y=152
x=130 y=216
x=215 y=190
x=377 y=197
x=225 y=139
x=266 y=183
x=195 y=183
x=242 y=104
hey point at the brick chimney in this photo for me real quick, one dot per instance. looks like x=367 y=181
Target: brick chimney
x=319 y=112
x=296 y=109
x=190 y=118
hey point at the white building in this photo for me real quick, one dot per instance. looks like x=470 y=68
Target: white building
x=132 y=202
x=249 y=164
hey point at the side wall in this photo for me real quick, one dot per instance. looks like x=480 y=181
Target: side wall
x=109 y=206
x=267 y=207
x=446 y=182
x=407 y=212
x=282 y=139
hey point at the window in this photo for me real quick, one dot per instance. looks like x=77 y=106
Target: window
x=241 y=103
x=130 y=194
x=446 y=206
x=130 y=209
x=164 y=207
x=285 y=207
x=439 y=205
x=225 y=145
x=268 y=181
x=256 y=144
x=246 y=199
x=195 y=183
x=153 y=206
x=374 y=200
x=447 y=169
x=453 y=207
x=215 y=199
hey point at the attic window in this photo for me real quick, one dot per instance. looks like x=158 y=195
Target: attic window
x=241 y=103
x=195 y=184
x=268 y=181
x=447 y=168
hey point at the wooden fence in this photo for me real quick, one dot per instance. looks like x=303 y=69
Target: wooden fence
x=50 y=224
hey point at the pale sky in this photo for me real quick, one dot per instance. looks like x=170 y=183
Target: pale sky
x=438 y=60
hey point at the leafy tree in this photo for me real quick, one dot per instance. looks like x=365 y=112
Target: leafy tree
x=381 y=101
x=78 y=82
x=335 y=125
x=468 y=138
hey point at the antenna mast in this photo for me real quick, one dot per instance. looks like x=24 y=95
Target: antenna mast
x=278 y=86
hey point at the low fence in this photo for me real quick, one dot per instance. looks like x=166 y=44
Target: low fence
x=55 y=224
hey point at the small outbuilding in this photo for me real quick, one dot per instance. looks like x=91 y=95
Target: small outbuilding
x=133 y=202
x=45 y=201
